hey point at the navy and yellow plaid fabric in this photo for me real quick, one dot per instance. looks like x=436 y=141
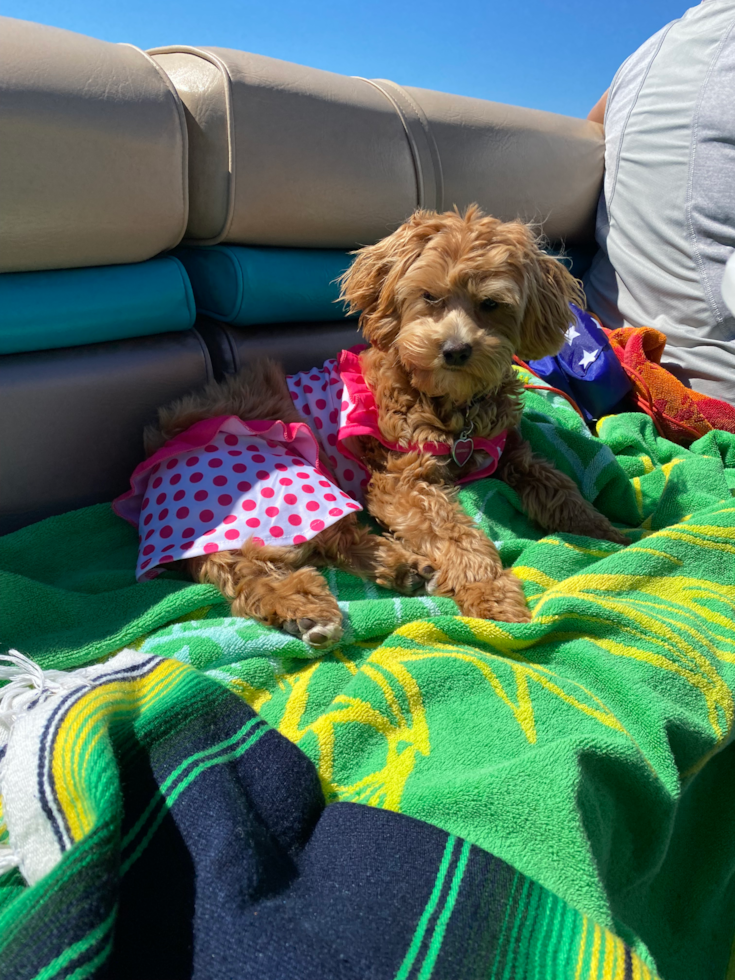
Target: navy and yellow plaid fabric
x=175 y=834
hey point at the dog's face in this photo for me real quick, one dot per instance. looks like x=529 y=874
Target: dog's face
x=457 y=296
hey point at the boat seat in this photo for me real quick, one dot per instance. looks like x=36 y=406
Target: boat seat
x=290 y=156
x=71 y=420
x=296 y=346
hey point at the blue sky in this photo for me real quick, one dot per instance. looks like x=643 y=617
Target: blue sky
x=548 y=54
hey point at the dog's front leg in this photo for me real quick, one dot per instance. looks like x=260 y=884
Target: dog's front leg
x=549 y=497
x=428 y=519
x=276 y=586
x=353 y=547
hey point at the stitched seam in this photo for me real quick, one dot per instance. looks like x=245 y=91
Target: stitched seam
x=412 y=149
x=184 y=141
x=231 y=149
x=234 y=350
x=208 y=367
x=218 y=63
x=395 y=98
x=236 y=308
x=431 y=146
x=633 y=104
x=188 y=291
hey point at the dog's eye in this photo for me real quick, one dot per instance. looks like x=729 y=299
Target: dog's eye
x=430 y=298
x=488 y=304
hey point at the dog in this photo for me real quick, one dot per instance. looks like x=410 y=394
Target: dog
x=445 y=302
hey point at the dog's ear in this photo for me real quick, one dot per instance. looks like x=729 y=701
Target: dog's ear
x=369 y=285
x=546 y=317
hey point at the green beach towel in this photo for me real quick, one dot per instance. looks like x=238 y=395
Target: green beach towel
x=590 y=748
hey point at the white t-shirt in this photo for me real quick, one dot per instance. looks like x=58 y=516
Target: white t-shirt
x=666 y=218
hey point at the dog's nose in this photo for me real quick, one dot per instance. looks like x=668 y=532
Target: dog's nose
x=456 y=353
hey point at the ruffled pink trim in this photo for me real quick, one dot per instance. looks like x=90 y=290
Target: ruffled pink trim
x=362 y=419
x=296 y=436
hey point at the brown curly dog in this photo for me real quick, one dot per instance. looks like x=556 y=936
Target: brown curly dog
x=445 y=302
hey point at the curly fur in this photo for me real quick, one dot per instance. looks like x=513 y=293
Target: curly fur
x=441 y=282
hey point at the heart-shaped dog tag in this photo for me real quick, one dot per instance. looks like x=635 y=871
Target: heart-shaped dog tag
x=462 y=450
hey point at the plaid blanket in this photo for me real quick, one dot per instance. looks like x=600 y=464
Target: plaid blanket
x=589 y=751
x=169 y=832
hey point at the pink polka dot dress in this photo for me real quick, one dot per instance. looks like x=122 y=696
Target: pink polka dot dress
x=225 y=481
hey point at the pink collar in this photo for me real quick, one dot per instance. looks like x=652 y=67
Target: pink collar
x=362 y=419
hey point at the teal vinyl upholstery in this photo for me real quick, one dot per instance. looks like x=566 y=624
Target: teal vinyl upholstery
x=72 y=307
x=246 y=286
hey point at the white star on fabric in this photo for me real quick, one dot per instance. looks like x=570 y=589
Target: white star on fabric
x=588 y=357
x=571 y=333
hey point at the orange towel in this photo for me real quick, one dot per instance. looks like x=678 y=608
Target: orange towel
x=678 y=413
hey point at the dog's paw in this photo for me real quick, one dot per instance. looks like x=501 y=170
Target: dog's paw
x=401 y=569
x=299 y=603
x=612 y=534
x=590 y=523
x=408 y=578
x=456 y=574
x=319 y=633
x=501 y=599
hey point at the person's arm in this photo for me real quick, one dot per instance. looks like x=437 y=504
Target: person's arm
x=597 y=114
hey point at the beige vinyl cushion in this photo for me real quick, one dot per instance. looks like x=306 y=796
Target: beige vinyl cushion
x=317 y=159
x=286 y=155
x=93 y=152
